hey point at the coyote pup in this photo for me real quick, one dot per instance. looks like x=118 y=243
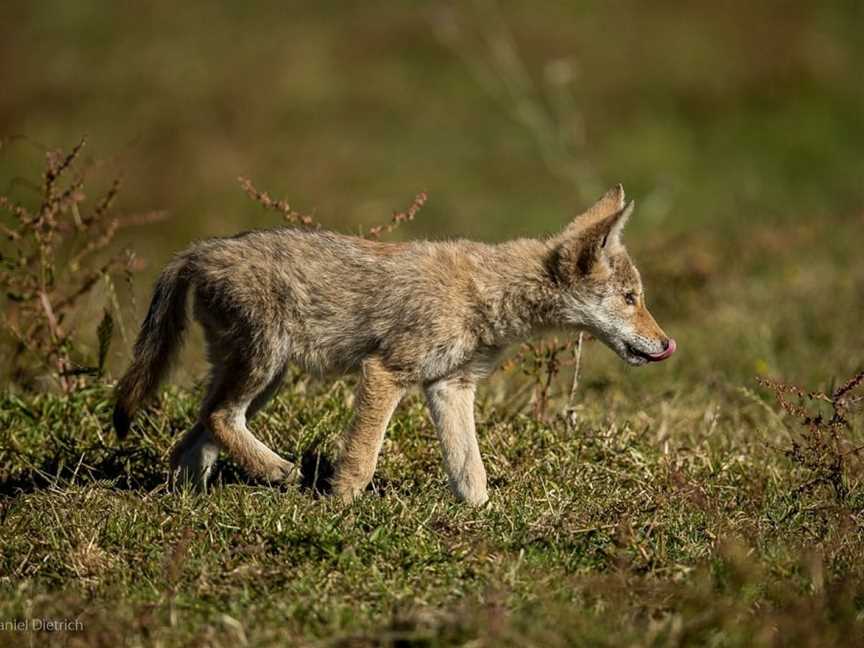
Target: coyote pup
x=434 y=314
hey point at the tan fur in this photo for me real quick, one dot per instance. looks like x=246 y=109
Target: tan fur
x=451 y=402
x=434 y=314
x=378 y=394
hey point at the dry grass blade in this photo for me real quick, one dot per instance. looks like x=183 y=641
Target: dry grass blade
x=577 y=361
x=549 y=111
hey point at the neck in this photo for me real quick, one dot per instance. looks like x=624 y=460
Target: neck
x=516 y=292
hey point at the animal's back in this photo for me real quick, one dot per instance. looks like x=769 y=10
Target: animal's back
x=326 y=300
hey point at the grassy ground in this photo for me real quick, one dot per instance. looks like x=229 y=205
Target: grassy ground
x=669 y=506
x=664 y=509
x=665 y=523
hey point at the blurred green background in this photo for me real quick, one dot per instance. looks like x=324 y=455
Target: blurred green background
x=738 y=127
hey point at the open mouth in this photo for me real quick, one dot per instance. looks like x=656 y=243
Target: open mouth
x=655 y=357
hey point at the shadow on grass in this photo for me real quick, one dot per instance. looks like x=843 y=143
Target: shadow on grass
x=140 y=469
x=316 y=470
x=133 y=469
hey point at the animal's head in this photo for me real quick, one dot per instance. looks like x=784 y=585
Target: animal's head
x=599 y=287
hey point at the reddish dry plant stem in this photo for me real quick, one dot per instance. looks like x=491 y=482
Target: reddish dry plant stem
x=294 y=217
x=399 y=217
x=839 y=399
x=282 y=206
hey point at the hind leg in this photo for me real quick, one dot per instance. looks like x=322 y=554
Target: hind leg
x=237 y=388
x=260 y=401
x=192 y=458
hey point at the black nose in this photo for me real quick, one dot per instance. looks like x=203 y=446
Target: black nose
x=666 y=344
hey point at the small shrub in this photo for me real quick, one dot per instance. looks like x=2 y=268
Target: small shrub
x=541 y=361
x=820 y=448
x=51 y=259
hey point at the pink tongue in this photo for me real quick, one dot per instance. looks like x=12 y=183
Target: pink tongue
x=657 y=357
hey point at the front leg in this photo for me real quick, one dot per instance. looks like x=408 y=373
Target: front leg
x=378 y=394
x=451 y=402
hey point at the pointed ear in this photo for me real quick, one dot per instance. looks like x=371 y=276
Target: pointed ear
x=611 y=203
x=603 y=238
x=614 y=226
x=580 y=254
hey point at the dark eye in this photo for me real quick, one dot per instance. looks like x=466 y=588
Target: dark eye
x=630 y=298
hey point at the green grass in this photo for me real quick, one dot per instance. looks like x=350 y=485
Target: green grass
x=662 y=524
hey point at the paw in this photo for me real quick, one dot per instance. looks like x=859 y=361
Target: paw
x=347 y=491
x=191 y=478
x=346 y=495
x=474 y=498
x=191 y=466
x=346 y=487
x=281 y=472
x=471 y=493
x=349 y=482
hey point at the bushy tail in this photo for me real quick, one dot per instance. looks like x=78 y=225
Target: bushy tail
x=158 y=342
